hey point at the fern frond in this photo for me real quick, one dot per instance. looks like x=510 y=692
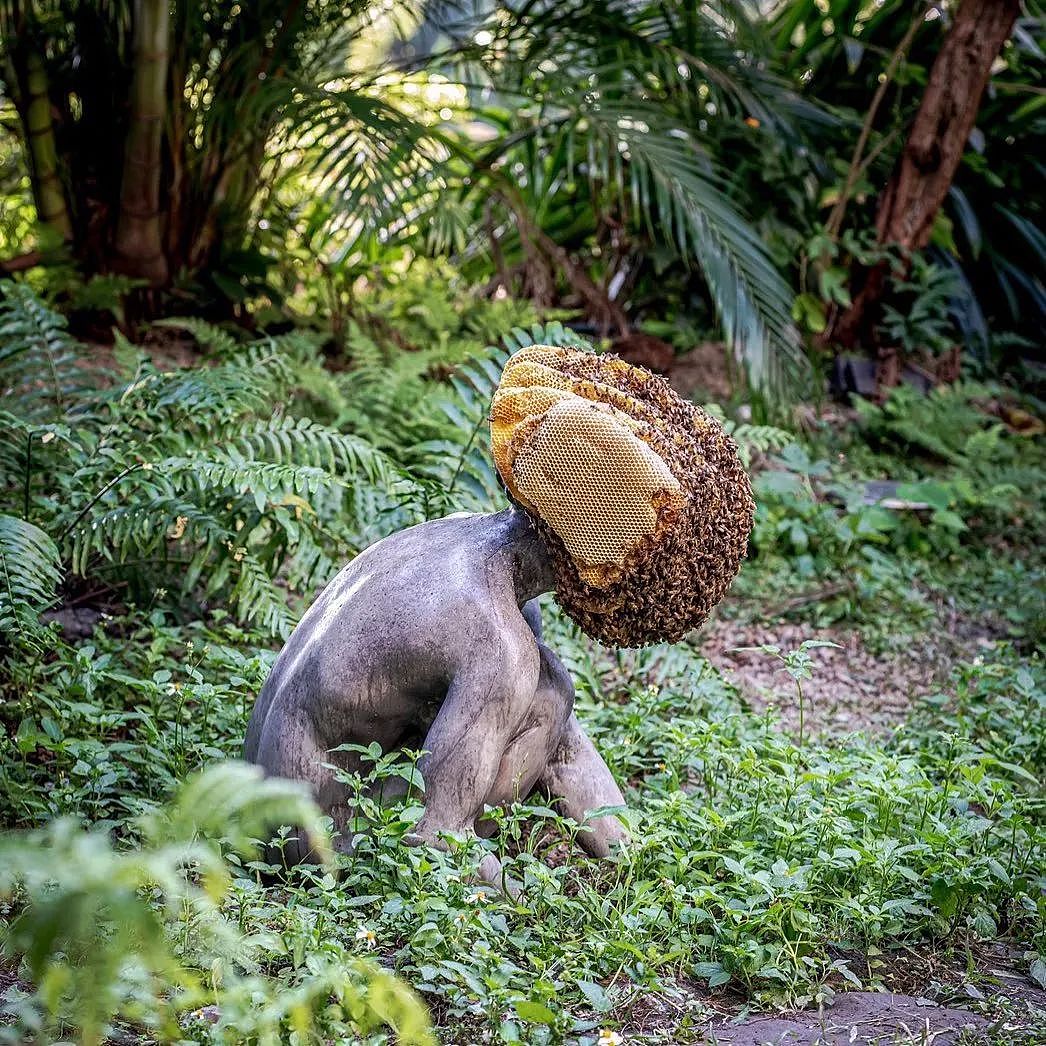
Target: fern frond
x=257 y=599
x=207 y=335
x=753 y=441
x=30 y=572
x=205 y=395
x=300 y=440
x=40 y=374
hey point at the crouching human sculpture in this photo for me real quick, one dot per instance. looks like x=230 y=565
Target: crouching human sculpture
x=628 y=502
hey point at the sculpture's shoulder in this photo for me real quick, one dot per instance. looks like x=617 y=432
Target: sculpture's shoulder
x=440 y=567
x=446 y=550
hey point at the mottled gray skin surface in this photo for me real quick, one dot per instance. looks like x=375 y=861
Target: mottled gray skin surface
x=430 y=640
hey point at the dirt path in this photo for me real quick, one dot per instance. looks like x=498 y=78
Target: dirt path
x=851 y=688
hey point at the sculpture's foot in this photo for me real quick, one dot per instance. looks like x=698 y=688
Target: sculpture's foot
x=579 y=779
x=492 y=871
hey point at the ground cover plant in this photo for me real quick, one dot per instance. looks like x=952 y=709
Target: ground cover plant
x=774 y=865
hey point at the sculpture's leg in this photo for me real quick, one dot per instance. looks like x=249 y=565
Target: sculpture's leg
x=287 y=747
x=480 y=718
x=579 y=778
x=540 y=733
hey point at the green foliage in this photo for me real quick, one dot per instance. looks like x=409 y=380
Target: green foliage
x=784 y=869
x=39 y=369
x=840 y=57
x=809 y=862
x=947 y=424
x=754 y=442
x=30 y=571
x=637 y=151
x=145 y=934
x=819 y=521
x=919 y=318
x=198 y=478
x=836 y=551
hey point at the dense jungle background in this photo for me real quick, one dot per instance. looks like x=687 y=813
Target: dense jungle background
x=260 y=265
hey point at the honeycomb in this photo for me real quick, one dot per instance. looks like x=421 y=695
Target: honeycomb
x=639 y=495
x=595 y=483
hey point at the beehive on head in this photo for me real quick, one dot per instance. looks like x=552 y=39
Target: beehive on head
x=639 y=495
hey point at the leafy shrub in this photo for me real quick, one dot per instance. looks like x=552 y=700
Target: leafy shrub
x=809 y=860
x=919 y=319
x=823 y=533
x=196 y=476
x=782 y=870
x=30 y=571
x=141 y=934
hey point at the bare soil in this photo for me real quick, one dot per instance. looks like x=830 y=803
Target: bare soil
x=851 y=688
x=927 y=998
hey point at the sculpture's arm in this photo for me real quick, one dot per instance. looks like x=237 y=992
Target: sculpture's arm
x=480 y=715
x=531 y=612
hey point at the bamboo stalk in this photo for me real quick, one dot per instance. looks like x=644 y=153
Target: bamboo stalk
x=47 y=185
x=139 y=240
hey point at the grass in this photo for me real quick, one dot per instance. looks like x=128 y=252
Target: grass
x=783 y=872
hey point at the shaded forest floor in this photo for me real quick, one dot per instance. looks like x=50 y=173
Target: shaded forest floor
x=895 y=849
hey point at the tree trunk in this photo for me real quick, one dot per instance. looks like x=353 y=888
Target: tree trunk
x=139 y=235
x=48 y=190
x=926 y=167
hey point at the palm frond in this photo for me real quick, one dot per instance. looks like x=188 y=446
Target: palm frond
x=676 y=192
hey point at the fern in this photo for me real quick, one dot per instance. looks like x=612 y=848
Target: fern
x=30 y=572
x=207 y=335
x=753 y=441
x=198 y=479
x=39 y=368
x=94 y=919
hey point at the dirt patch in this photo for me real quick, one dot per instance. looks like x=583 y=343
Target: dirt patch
x=868 y=1018
x=851 y=688
x=982 y=994
x=704 y=374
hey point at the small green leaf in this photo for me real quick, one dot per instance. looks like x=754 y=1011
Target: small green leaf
x=597 y=997
x=534 y=1012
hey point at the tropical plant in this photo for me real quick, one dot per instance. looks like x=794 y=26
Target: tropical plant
x=140 y=934
x=197 y=477
x=291 y=124
x=30 y=571
x=602 y=165
x=150 y=127
x=919 y=318
x=870 y=64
